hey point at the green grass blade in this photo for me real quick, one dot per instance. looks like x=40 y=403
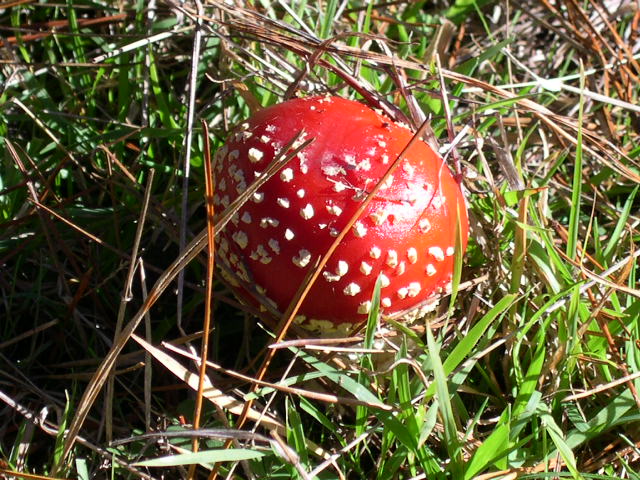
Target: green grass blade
x=576 y=192
x=204 y=457
x=444 y=403
x=614 y=240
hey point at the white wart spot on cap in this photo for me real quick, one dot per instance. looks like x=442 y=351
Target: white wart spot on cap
x=414 y=289
x=375 y=252
x=307 y=212
x=378 y=217
x=246 y=217
x=331 y=277
x=333 y=170
x=283 y=202
x=437 y=253
x=286 y=175
x=334 y=210
x=364 y=307
x=438 y=201
x=257 y=197
x=261 y=254
x=402 y=293
x=359 y=230
x=255 y=155
x=265 y=138
x=401 y=268
x=431 y=270
x=412 y=255
x=269 y=222
x=450 y=251
x=266 y=259
x=424 y=225
x=300 y=193
x=234 y=155
x=339 y=187
x=364 y=165
x=274 y=245
x=303 y=258
x=288 y=234
x=304 y=166
x=384 y=280
x=236 y=173
x=408 y=169
x=343 y=268
x=386 y=302
x=392 y=258
x=352 y=289
x=240 y=238
x=365 y=268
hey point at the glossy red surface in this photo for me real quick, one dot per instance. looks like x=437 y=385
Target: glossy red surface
x=407 y=233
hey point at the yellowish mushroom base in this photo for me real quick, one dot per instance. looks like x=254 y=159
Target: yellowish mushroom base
x=327 y=329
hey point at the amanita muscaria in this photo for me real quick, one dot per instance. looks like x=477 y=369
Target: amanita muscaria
x=405 y=236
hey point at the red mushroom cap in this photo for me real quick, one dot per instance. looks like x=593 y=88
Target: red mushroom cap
x=406 y=235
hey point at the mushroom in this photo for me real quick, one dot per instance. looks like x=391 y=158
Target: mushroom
x=405 y=236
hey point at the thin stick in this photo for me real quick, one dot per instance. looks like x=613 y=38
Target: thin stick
x=148 y=371
x=602 y=388
x=204 y=348
x=125 y=298
x=191 y=107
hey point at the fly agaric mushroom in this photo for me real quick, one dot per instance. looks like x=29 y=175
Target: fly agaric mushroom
x=405 y=236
